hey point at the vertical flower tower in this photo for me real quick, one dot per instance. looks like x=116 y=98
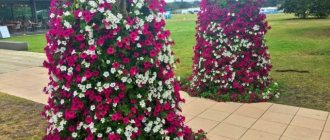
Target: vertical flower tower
x=111 y=72
x=231 y=60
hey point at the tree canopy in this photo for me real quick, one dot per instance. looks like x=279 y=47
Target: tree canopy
x=305 y=8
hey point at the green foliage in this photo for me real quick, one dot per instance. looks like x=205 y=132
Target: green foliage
x=7 y=13
x=320 y=8
x=272 y=3
x=305 y=8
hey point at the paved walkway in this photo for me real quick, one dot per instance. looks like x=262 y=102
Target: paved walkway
x=27 y=83
x=222 y=121
x=19 y=60
x=259 y=121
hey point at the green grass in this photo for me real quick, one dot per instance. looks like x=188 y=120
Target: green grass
x=294 y=44
x=20 y=119
x=301 y=45
x=183 y=33
x=36 y=43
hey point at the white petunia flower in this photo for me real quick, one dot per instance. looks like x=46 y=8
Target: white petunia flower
x=106 y=74
x=142 y=104
x=113 y=70
x=99 y=135
x=74 y=134
x=92 y=107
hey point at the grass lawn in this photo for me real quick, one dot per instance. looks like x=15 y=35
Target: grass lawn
x=20 y=119
x=295 y=44
x=36 y=42
x=301 y=45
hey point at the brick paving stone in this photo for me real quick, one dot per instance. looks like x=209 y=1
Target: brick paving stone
x=287 y=138
x=262 y=106
x=200 y=123
x=226 y=106
x=214 y=115
x=277 y=117
x=188 y=117
x=269 y=127
x=28 y=84
x=302 y=133
x=19 y=60
x=311 y=113
x=216 y=137
x=259 y=135
x=278 y=108
x=197 y=107
x=325 y=136
x=308 y=122
x=327 y=126
x=228 y=130
x=249 y=112
x=239 y=120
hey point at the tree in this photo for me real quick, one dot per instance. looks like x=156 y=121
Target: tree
x=320 y=8
x=231 y=59
x=305 y=8
x=111 y=72
x=300 y=8
x=272 y=3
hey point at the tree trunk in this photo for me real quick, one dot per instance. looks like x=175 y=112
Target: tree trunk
x=122 y=6
x=304 y=15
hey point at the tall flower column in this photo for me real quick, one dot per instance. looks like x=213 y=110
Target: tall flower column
x=231 y=59
x=111 y=72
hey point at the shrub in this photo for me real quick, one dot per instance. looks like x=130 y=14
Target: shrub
x=231 y=61
x=111 y=72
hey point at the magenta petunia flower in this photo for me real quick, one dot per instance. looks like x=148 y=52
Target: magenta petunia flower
x=110 y=50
